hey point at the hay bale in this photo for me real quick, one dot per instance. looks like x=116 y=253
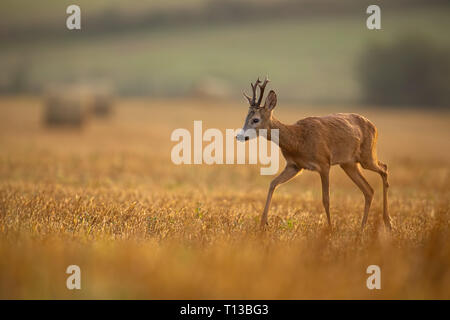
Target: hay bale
x=101 y=101
x=65 y=107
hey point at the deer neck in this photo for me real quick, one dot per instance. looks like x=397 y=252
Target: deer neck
x=285 y=135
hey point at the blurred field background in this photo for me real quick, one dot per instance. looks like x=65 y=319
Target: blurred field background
x=101 y=191
x=309 y=49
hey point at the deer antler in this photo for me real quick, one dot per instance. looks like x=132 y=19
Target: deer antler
x=257 y=84
x=262 y=88
x=248 y=98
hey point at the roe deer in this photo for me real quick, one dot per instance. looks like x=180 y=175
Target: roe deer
x=317 y=143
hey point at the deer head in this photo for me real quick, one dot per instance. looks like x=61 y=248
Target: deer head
x=258 y=117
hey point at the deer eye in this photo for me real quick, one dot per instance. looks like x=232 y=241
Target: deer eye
x=256 y=120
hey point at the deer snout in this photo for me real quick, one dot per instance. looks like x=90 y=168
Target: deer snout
x=246 y=134
x=242 y=138
x=242 y=135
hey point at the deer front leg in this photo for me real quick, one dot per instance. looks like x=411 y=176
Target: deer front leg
x=325 y=177
x=287 y=174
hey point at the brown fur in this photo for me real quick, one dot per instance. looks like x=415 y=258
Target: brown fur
x=317 y=143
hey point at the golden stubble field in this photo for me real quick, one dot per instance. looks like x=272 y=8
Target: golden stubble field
x=108 y=199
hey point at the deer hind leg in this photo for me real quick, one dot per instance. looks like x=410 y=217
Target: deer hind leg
x=381 y=168
x=353 y=171
x=325 y=177
x=287 y=174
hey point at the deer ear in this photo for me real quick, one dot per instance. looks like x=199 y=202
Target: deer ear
x=271 y=100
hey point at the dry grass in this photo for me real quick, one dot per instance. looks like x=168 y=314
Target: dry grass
x=108 y=199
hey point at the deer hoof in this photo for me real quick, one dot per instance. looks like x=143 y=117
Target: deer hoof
x=387 y=224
